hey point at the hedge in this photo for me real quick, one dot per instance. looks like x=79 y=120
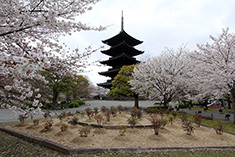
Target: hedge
x=148 y=109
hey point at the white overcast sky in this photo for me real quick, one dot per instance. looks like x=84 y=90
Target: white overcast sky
x=158 y=23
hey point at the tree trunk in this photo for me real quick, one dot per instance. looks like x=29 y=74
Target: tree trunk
x=233 y=112
x=205 y=104
x=54 y=99
x=233 y=104
x=166 y=101
x=136 y=100
x=233 y=101
x=229 y=103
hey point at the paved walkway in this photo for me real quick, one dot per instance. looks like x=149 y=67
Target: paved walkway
x=7 y=116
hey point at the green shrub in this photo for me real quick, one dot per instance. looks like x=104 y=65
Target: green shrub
x=47 y=105
x=76 y=103
x=181 y=105
x=80 y=102
x=184 y=105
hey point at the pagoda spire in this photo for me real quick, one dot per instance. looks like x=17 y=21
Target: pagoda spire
x=122 y=22
x=121 y=53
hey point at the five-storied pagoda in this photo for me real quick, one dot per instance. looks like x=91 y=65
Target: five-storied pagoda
x=121 y=53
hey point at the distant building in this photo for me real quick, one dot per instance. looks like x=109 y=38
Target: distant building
x=121 y=53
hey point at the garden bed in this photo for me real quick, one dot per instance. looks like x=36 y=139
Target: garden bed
x=170 y=136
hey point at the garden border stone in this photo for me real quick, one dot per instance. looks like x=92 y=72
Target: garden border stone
x=67 y=150
x=110 y=126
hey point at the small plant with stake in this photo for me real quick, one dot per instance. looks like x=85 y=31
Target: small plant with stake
x=85 y=131
x=132 y=121
x=74 y=120
x=64 y=127
x=156 y=124
x=47 y=114
x=35 y=122
x=167 y=112
x=134 y=111
x=120 y=108
x=170 y=119
x=219 y=128
x=174 y=114
x=183 y=117
x=161 y=112
x=89 y=112
x=62 y=116
x=113 y=111
x=103 y=109
x=69 y=114
x=189 y=128
x=22 y=117
x=96 y=110
x=48 y=125
x=107 y=114
x=163 y=122
x=122 y=130
x=99 y=118
x=198 y=119
x=139 y=113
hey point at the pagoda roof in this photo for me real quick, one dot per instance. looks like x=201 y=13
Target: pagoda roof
x=122 y=47
x=122 y=59
x=120 y=37
x=107 y=84
x=110 y=73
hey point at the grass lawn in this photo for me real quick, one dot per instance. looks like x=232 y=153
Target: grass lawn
x=228 y=126
x=212 y=109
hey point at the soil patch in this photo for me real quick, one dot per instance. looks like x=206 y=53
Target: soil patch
x=170 y=136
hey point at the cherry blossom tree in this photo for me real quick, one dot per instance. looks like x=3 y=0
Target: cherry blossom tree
x=29 y=32
x=121 y=87
x=214 y=70
x=162 y=77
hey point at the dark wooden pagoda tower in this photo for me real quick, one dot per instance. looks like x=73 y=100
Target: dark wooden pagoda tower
x=121 y=53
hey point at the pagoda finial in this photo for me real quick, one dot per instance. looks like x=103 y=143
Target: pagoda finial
x=122 y=22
